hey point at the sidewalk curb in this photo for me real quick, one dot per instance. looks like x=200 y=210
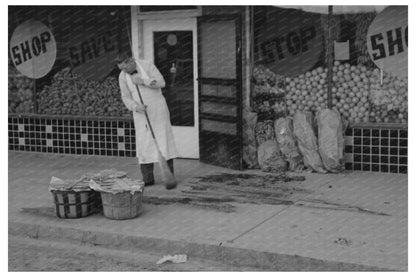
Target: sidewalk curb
x=264 y=261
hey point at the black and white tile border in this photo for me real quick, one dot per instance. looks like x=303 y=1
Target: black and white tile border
x=109 y=137
x=376 y=149
x=366 y=149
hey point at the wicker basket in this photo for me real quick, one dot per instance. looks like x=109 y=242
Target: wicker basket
x=122 y=205
x=76 y=204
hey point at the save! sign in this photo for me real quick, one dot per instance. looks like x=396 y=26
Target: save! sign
x=387 y=40
x=92 y=53
x=33 y=49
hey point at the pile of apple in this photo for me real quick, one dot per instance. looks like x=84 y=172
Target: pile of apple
x=307 y=92
x=357 y=93
x=350 y=91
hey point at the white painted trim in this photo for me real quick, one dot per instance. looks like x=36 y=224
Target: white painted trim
x=134 y=32
x=188 y=24
x=162 y=15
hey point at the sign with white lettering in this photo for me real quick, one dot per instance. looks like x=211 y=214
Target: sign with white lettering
x=33 y=49
x=289 y=42
x=387 y=40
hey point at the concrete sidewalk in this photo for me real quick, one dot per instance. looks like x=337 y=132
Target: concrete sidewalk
x=338 y=222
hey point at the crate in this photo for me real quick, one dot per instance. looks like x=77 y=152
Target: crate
x=122 y=205
x=76 y=204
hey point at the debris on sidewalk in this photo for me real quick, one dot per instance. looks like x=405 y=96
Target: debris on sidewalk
x=343 y=241
x=176 y=259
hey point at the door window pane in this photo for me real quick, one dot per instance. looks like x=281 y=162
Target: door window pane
x=218 y=90
x=218 y=50
x=174 y=59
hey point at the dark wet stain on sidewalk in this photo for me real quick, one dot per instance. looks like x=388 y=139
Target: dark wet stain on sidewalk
x=221 y=192
x=201 y=202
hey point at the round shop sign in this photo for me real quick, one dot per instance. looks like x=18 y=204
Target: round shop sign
x=387 y=40
x=33 y=49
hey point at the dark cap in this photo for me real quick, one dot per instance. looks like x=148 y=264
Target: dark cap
x=122 y=57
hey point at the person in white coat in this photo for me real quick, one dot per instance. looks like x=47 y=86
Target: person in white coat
x=150 y=82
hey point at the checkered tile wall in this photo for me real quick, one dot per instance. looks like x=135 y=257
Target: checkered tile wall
x=375 y=149
x=73 y=136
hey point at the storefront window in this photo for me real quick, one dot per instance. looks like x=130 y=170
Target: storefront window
x=21 y=90
x=83 y=80
x=367 y=82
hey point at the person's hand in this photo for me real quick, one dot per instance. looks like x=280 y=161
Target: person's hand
x=140 y=108
x=137 y=80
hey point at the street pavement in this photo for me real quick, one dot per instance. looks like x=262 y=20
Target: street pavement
x=354 y=221
x=26 y=254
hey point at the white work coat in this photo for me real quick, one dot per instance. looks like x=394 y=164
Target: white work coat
x=157 y=111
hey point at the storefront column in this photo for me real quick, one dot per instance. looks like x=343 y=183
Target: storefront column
x=330 y=59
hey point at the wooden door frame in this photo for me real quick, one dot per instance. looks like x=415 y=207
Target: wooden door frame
x=239 y=74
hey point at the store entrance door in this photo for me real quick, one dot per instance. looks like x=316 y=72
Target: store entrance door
x=172 y=46
x=220 y=83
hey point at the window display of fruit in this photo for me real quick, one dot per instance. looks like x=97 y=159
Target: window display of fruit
x=357 y=93
x=350 y=91
x=20 y=95
x=269 y=106
x=388 y=98
x=268 y=94
x=68 y=94
x=307 y=92
x=262 y=76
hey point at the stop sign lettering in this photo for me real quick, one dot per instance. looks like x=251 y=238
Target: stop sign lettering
x=291 y=44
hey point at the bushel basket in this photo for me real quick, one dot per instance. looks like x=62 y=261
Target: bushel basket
x=122 y=205
x=76 y=204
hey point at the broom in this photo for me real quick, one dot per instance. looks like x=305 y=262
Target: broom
x=167 y=176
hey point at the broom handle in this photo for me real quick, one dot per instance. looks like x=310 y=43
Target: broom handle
x=147 y=118
x=140 y=95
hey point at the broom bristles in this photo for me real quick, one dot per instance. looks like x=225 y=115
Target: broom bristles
x=167 y=176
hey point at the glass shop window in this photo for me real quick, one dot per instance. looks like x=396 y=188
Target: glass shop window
x=364 y=46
